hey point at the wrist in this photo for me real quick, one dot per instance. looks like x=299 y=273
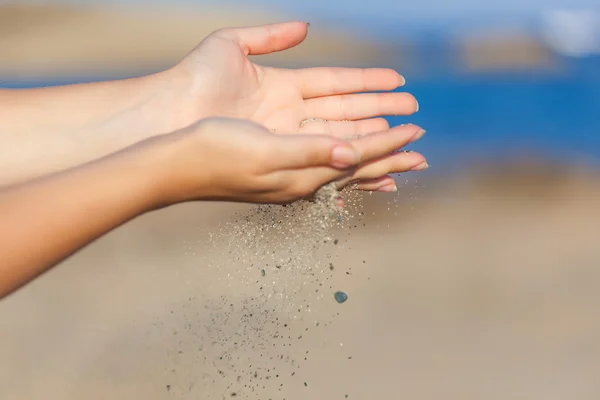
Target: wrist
x=147 y=165
x=157 y=109
x=170 y=176
x=173 y=105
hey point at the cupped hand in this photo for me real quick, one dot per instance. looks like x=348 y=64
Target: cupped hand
x=218 y=79
x=222 y=81
x=238 y=160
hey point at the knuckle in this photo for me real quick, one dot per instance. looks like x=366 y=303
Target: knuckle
x=346 y=107
x=222 y=32
x=276 y=182
x=262 y=160
x=263 y=156
x=364 y=78
x=300 y=190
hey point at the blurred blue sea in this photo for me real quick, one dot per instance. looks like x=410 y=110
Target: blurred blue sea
x=481 y=117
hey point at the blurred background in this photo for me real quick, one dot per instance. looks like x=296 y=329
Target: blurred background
x=484 y=270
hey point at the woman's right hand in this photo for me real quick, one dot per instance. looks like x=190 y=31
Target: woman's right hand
x=238 y=160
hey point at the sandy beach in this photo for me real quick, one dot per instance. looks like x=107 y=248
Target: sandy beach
x=480 y=287
x=482 y=284
x=58 y=41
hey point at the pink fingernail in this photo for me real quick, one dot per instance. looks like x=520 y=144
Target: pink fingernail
x=388 y=188
x=420 y=167
x=418 y=135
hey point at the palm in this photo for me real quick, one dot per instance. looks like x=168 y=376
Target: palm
x=314 y=100
x=222 y=81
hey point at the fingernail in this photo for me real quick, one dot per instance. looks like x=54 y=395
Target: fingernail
x=344 y=157
x=420 y=167
x=388 y=188
x=417 y=110
x=418 y=135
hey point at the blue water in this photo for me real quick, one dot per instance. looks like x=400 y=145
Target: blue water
x=482 y=117
x=494 y=117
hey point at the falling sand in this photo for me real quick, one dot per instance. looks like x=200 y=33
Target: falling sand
x=283 y=256
x=448 y=294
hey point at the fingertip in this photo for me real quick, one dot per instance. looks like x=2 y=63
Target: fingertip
x=420 y=133
x=270 y=38
x=372 y=185
x=304 y=24
x=418 y=162
x=413 y=100
x=421 y=167
x=401 y=79
x=394 y=76
x=394 y=79
x=391 y=188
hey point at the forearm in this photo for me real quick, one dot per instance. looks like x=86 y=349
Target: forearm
x=46 y=220
x=44 y=130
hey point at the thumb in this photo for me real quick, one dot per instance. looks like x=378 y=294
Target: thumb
x=266 y=39
x=304 y=151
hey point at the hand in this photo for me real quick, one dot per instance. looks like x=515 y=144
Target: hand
x=215 y=79
x=215 y=159
x=218 y=79
x=238 y=160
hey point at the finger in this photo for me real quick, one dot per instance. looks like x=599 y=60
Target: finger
x=266 y=39
x=372 y=176
x=372 y=185
x=317 y=82
x=375 y=151
x=361 y=106
x=308 y=181
x=390 y=164
x=304 y=151
x=346 y=129
x=375 y=145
